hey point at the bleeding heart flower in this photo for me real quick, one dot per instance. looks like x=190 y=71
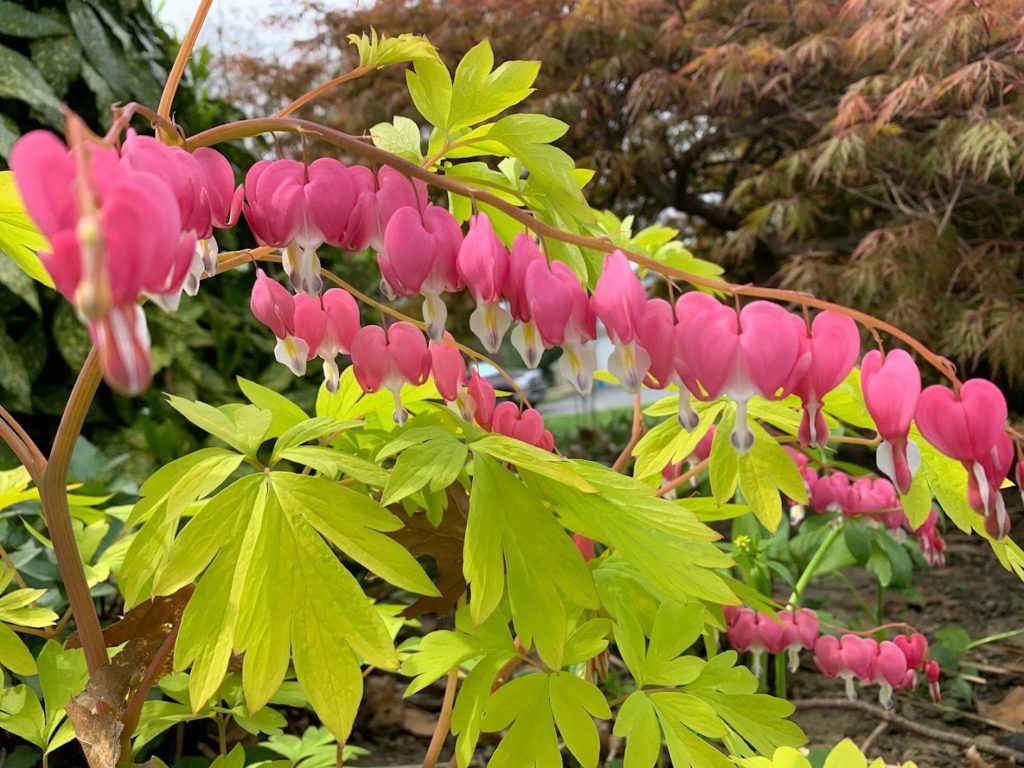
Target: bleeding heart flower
x=586 y=546
x=914 y=647
x=420 y=256
x=484 y=400
x=526 y=425
x=526 y=337
x=449 y=371
x=832 y=347
x=342 y=316
x=931 y=542
x=388 y=359
x=619 y=302
x=113 y=235
x=848 y=658
x=273 y=306
x=890 y=671
x=562 y=314
x=969 y=428
x=483 y=263
x=298 y=209
x=225 y=201
x=753 y=353
x=122 y=340
x=891 y=389
x=932 y=671
x=380 y=198
x=802 y=635
x=831 y=493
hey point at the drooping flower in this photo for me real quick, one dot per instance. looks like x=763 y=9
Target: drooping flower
x=968 y=427
x=932 y=672
x=802 y=635
x=526 y=425
x=420 y=256
x=388 y=359
x=483 y=264
x=225 y=201
x=449 y=371
x=327 y=324
x=619 y=302
x=830 y=493
x=381 y=197
x=115 y=233
x=562 y=313
x=930 y=541
x=274 y=306
x=850 y=657
x=891 y=670
x=832 y=347
x=752 y=353
x=914 y=647
x=298 y=209
x=526 y=338
x=891 y=387
x=483 y=397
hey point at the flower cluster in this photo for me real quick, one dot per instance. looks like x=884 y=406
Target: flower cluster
x=122 y=223
x=759 y=633
x=966 y=425
x=137 y=220
x=873 y=498
x=891 y=664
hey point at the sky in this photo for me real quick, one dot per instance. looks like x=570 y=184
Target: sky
x=236 y=24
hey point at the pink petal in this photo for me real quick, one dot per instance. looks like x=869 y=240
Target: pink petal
x=619 y=298
x=448 y=369
x=272 y=305
x=524 y=253
x=483 y=261
x=407 y=348
x=408 y=252
x=891 y=389
x=342 y=321
x=45 y=174
x=310 y=322
x=371 y=362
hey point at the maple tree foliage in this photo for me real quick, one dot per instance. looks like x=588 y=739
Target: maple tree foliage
x=868 y=151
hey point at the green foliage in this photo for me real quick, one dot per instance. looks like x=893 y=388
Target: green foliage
x=380 y=51
x=845 y=755
x=62 y=674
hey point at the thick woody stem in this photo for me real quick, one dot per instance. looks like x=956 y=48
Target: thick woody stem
x=54 y=497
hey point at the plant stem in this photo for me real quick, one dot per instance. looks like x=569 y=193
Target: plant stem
x=54 y=497
x=444 y=720
x=308 y=96
x=691 y=473
x=780 y=675
x=815 y=561
x=24 y=448
x=222 y=734
x=879 y=602
x=133 y=709
x=178 y=68
x=994 y=638
x=634 y=438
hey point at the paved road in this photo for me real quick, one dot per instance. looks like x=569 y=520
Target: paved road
x=600 y=400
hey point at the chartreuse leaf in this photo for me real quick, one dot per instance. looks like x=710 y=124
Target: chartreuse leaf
x=531 y=458
x=22 y=714
x=380 y=51
x=14 y=655
x=356 y=524
x=19 y=236
x=723 y=469
x=918 y=503
x=668 y=442
x=547 y=579
x=467 y=716
x=435 y=463
x=660 y=539
x=16 y=608
x=764 y=470
x=242 y=427
x=430 y=86
x=334 y=463
x=275 y=590
x=284 y=413
x=479 y=93
x=637 y=723
x=532 y=705
x=401 y=137
x=233 y=759
x=308 y=429
x=442 y=650
x=165 y=497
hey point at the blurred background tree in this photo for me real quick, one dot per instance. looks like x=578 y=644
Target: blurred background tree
x=869 y=151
